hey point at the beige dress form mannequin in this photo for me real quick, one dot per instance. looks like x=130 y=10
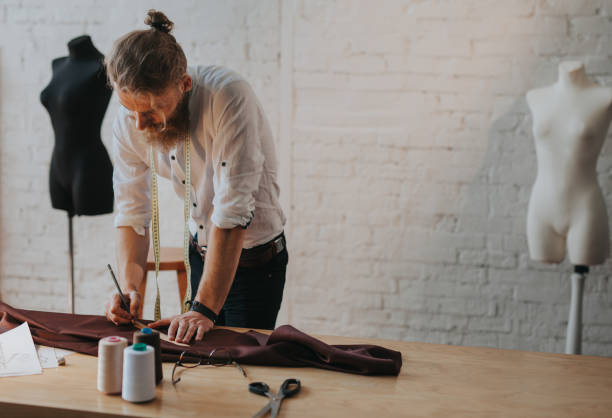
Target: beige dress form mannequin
x=566 y=207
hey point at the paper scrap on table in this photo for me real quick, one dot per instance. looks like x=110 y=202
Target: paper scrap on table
x=49 y=356
x=17 y=353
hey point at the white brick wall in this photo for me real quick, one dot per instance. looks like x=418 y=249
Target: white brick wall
x=406 y=154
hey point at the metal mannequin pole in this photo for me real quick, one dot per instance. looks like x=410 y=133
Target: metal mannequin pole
x=71 y=263
x=573 y=341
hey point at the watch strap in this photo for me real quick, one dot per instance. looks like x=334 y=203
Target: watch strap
x=204 y=310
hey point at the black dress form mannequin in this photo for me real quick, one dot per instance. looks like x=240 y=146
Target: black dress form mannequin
x=80 y=180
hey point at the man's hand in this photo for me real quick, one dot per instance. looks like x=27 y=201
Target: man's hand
x=118 y=315
x=183 y=327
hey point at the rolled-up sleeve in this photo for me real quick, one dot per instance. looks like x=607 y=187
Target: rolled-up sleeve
x=237 y=157
x=131 y=182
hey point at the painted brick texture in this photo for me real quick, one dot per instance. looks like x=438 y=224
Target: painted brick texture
x=406 y=154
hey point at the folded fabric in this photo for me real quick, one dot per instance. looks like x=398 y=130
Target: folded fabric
x=286 y=346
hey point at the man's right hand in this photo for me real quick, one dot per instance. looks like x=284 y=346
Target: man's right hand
x=116 y=314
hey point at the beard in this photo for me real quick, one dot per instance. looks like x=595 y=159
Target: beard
x=176 y=128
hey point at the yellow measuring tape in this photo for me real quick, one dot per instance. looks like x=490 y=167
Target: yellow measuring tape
x=186 y=208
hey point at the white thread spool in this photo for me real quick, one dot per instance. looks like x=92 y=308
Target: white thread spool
x=110 y=364
x=138 y=373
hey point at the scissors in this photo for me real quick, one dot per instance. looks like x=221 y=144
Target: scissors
x=289 y=388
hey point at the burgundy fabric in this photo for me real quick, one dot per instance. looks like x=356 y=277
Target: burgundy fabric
x=286 y=346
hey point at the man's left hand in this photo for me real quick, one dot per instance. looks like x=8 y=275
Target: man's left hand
x=183 y=327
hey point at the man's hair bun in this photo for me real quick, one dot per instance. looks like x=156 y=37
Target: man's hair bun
x=158 y=21
x=147 y=60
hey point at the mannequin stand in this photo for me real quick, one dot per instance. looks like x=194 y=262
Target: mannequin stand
x=71 y=264
x=573 y=342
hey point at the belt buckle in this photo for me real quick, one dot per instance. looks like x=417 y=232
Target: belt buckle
x=278 y=245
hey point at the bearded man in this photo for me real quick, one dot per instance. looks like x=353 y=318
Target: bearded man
x=204 y=129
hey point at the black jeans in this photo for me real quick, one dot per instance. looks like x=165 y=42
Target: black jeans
x=256 y=293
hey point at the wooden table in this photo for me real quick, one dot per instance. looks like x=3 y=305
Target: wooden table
x=170 y=258
x=436 y=380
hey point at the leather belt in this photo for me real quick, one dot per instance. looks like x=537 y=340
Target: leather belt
x=252 y=257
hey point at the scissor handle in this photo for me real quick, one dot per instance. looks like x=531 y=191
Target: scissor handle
x=290 y=387
x=260 y=388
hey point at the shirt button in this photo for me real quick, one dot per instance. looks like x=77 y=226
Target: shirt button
x=173 y=157
x=201 y=226
x=195 y=206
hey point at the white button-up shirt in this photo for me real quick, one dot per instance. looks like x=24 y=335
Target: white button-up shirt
x=233 y=162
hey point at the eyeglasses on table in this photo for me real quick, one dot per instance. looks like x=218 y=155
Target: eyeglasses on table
x=217 y=358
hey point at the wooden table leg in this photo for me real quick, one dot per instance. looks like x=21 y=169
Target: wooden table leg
x=181 y=276
x=142 y=290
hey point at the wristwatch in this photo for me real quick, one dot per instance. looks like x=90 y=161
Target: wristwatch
x=204 y=310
